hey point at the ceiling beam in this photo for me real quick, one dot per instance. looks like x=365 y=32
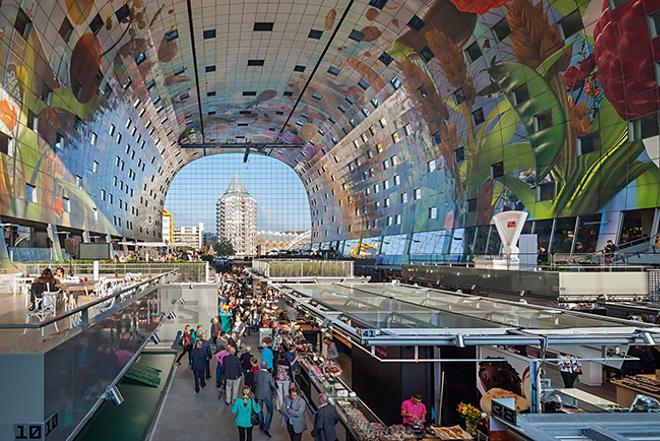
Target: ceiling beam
x=194 y=54
x=241 y=145
x=316 y=66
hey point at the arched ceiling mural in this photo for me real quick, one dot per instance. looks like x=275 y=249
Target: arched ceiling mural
x=413 y=115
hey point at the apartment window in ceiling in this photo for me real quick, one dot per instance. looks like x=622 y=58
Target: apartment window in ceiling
x=417 y=194
x=543 y=121
x=473 y=51
x=396 y=179
x=390 y=220
x=437 y=138
x=123 y=13
x=139 y=58
x=395 y=82
x=430 y=166
x=497 y=170
x=644 y=127
x=32 y=120
x=210 y=94
x=386 y=164
x=209 y=33
x=333 y=70
x=172 y=35
x=363 y=84
x=317 y=96
x=118 y=138
x=287 y=93
x=404 y=197
x=210 y=68
x=95 y=166
x=23 y=24
x=386 y=202
x=379 y=4
x=30 y=193
x=96 y=24
x=407 y=129
x=111 y=131
x=459 y=154
x=66 y=29
x=386 y=58
x=433 y=212
x=315 y=34
x=571 y=24
x=263 y=26
x=386 y=184
x=179 y=70
x=520 y=94
x=427 y=54
x=459 y=96
x=5 y=144
x=255 y=62
x=59 y=141
x=588 y=143
x=395 y=137
x=249 y=93
x=66 y=202
x=545 y=191
x=501 y=29
x=478 y=116
x=416 y=23
x=397 y=219
x=422 y=92
x=356 y=35
x=383 y=122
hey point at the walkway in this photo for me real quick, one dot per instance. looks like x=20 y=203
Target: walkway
x=187 y=416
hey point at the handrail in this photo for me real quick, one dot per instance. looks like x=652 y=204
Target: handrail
x=84 y=307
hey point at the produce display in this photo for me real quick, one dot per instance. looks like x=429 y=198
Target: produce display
x=640 y=382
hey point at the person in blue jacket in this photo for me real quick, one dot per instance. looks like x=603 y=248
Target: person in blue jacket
x=243 y=408
x=199 y=362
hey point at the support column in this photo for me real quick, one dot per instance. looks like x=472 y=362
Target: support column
x=5 y=261
x=86 y=236
x=51 y=230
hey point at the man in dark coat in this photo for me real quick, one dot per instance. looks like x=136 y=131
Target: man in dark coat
x=199 y=362
x=206 y=345
x=231 y=372
x=264 y=388
x=325 y=420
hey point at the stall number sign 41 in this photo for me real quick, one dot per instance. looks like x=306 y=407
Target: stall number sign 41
x=35 y=431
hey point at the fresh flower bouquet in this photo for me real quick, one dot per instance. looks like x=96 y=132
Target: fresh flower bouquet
x=472 y=416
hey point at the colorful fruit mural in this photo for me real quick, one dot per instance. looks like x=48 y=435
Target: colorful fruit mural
x=416 y=117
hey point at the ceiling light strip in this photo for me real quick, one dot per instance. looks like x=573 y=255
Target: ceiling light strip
x=194 y=54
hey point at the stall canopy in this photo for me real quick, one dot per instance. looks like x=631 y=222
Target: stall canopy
x=401 y=315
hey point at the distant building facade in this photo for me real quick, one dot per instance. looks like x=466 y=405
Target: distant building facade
x=236 y=218
x=282 y=240
x=168 y=226
x=192 y=236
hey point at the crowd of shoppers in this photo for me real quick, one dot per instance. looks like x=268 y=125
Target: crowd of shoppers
x=254 y=385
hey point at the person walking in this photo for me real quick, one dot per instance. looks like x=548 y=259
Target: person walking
x=294 y=413
x=246 y=358
x=264 y=389
x=569 y=368
x=206 y=345
x=231 y=371
x=243 y=408
x=333 y=353
x=325 y=420
x=282 y=378
x=199 y=361
x=267 y=355
x=186 y=344
x=219 y=356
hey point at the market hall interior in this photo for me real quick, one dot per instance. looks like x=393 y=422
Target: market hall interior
x=483 y=198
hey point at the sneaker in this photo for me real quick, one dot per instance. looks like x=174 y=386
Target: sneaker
x=268 y=434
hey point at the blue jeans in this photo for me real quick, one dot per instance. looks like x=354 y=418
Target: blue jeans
x=218 y=375
x=269 y=414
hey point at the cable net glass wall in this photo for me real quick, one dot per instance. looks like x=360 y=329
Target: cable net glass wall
x=282 y=208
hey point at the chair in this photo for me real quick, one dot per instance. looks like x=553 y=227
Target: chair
x=44 y=307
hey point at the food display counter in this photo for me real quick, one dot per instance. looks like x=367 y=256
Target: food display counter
x=578 y=401
x=358 y=421
x=628 y=387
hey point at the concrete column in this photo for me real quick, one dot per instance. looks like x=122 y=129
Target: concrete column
x=51 y=230
x=86 y=236
x=5 y=261
x=592 y=373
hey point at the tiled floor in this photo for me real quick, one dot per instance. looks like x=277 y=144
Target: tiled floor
x=187 y=416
